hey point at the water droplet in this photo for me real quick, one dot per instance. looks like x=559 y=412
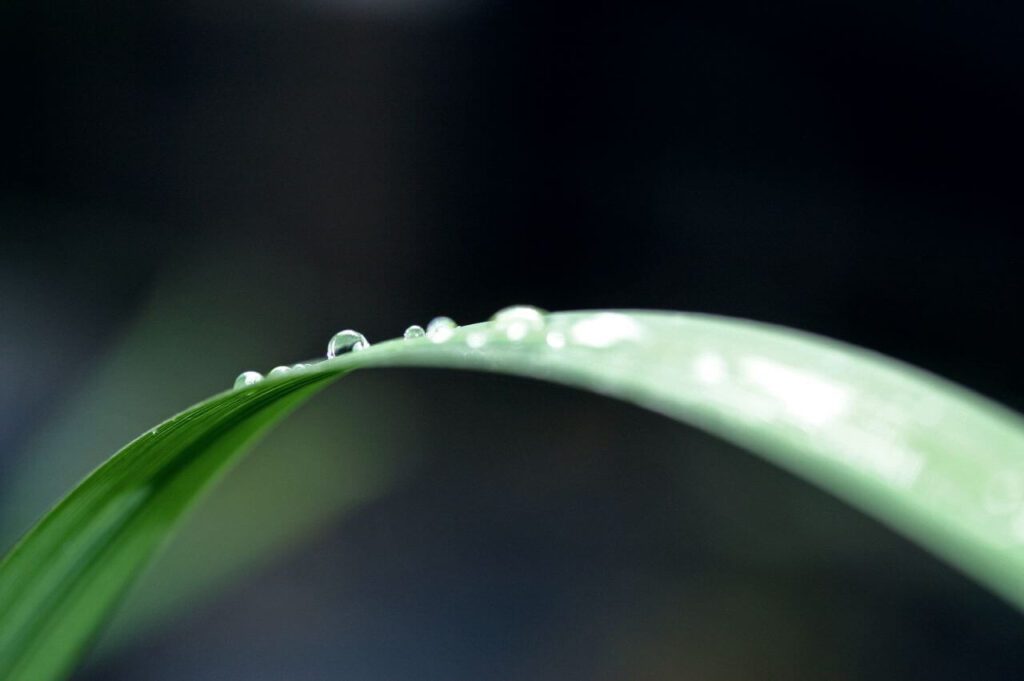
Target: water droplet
x=300 y=366
x=524 y=312
x=346 y=341
x=556 y=340
x=248 y=378
x=414 y=331
x=278 y=372
x=441 y=329
x=476 y=340
x=519 y=321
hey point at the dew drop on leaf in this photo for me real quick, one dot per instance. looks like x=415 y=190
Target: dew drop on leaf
x=512 y=312
x=346 y=341
x=441 y=329
x=248 y=378
x=519 y=321
x=414 y=331
x=277 y=372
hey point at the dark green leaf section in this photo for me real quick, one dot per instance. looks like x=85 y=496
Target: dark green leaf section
x=938 y=463
x=60 y=583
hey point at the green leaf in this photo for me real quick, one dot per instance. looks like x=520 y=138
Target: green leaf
x=934 y=461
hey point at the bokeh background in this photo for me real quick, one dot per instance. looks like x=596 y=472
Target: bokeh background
x=190 y=189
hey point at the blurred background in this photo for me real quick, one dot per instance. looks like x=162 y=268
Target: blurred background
x=192 y=189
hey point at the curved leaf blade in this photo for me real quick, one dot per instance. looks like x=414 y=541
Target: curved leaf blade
x=59 y=584
x=938 y=463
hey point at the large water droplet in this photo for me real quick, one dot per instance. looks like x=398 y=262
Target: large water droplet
x=278 y=372
x=441 y=329
x=414 y=331
x=519 y=321
x=346 y=341
x=248 y=378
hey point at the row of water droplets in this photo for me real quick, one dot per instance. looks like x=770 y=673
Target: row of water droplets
x=515 y=323
x=341 y=343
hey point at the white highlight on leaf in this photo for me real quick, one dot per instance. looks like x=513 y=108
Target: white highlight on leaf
x=807 y=398
x=604 y=330
x=710 y=368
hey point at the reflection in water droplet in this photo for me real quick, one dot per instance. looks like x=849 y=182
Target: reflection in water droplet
x=441 y=329
x=414 y=331
x=277 y=372
x=346 y=341
x=604 y=329
x=476 y=340
x=556 y=340
x=248 y=378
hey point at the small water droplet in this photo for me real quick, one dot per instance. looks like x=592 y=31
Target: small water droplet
x=476 y=340
x=441 y=329
x=278 y=372
x=299 y=366
x=556 y=340
x=414 y=331
x=519 y=321
x=248 y=378
x=346 y=341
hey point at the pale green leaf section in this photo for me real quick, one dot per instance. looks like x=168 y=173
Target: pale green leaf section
x=938 y=463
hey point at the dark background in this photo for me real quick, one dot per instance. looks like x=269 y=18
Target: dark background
x=193 y=189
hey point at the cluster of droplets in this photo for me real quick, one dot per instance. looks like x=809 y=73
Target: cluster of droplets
x=438 y=330
x=247 y=378
x=341 y=343
x=516 y=323
x=598 y=330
